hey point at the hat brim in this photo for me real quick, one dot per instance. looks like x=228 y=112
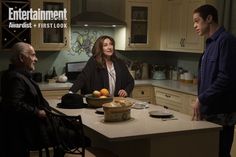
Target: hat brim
x=72 y=106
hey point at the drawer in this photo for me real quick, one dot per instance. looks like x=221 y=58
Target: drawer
x=142 y=92
x=54 y=94
x=169 y=104
x=168 y=95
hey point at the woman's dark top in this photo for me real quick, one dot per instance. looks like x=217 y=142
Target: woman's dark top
x=94 y=77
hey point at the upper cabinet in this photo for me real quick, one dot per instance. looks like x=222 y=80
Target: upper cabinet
x=177 y=32
x=45 y=34
x=143 y=26
x=51 y=35
x=177 y=26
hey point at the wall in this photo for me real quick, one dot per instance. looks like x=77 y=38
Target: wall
x=188 y=61
x=85 y=37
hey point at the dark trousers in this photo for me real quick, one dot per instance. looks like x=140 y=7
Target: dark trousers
x=226 y=140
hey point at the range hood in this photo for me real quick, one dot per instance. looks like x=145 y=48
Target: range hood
x=89 y=18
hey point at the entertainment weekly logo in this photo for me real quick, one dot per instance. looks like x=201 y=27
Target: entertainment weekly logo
x=37 y=18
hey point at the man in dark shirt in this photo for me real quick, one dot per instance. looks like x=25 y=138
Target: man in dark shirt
x=217 y=77
x=23 y=108
x=22 y=104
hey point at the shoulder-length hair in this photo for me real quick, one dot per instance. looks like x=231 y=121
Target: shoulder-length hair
x=97 y=51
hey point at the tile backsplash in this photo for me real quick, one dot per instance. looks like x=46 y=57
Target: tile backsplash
x=82 y=39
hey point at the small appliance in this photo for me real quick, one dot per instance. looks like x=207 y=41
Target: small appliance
x=73 y=69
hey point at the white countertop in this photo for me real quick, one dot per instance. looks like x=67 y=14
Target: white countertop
x=172 y=85
x=54 y=86
x=168 y=84
x=141 y=125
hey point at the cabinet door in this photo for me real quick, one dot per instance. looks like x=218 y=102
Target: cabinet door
x=53 y=94
x=178 y=33
x=233 y=150
x=170 y=99
x=138 y=19
x=143 y=93
x=51 y=34
x=192 y=41
x=175 y=24
x=189 y=101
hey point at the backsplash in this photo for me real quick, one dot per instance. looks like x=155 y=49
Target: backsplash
x=82 y=39
x=188 y=61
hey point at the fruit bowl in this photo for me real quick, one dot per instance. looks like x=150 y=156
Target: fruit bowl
x=97 y=102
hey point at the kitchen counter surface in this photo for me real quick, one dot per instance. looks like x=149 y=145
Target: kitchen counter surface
x=168 y=84
x=148 y=135
x=54 y=86
x=141 y=123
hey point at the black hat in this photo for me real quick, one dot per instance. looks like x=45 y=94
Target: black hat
x=72 y=101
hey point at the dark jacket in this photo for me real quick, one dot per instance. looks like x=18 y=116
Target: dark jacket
x=217 y=75
x=21 y=100
x=95 y=78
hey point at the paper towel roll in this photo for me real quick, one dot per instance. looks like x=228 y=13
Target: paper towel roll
x=145 y=71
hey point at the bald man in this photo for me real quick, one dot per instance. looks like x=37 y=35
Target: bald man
x=26 y=124
x=23 y=104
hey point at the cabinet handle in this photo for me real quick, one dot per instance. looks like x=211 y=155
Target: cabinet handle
x=168 y=96
x=129 y=41
x=142 y=92
x=183 y=42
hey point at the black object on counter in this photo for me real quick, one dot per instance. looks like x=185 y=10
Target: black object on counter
x=72 y=101
x=54 y=73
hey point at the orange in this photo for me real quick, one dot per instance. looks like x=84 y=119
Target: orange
x=104 y=92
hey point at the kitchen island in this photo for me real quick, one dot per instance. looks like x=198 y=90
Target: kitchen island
x=145 y=136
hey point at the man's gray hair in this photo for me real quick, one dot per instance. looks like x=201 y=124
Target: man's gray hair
x=19 y=49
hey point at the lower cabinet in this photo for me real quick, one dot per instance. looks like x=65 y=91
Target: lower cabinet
x=143 y=93
x=233 y=150
x=54 y=94
x=188 y=104
x=169 y=99
x=174 y=100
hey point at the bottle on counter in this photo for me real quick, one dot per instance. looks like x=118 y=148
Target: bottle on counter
x=175 y=74
x=54 y=73
x=169 y=72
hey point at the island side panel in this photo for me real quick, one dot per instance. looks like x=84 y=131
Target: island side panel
x=195 y=144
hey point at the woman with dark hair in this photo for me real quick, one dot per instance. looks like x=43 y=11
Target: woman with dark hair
x=104 y=70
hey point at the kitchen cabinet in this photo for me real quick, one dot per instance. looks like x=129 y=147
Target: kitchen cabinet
x=178 y=32
x=169 y=99
x=189 y=101
x=143 y=93
x=9 y=36
x=233 y=150
x=174 y=100
x=143 y=26
x=177 y=29
x=54 y=94
x=56 y=36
